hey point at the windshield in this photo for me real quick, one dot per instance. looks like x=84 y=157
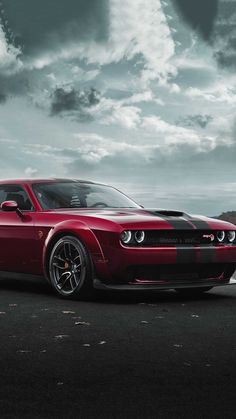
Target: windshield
x=80 y=195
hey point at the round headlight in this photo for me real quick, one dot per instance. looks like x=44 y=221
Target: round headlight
x=126 y=236
x=220 y=236
x=231 y=236
x=139 y=236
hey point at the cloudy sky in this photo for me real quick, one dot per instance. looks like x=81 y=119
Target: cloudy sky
x=140 y=94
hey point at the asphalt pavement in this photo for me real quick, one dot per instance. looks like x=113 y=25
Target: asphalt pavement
x=123 y=356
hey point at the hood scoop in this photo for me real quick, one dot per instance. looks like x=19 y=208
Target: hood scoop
x=169 y=213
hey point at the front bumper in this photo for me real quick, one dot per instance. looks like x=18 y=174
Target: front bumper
x=155 y=268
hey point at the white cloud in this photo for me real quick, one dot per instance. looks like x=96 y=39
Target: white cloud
x=220 y=93
x=83 y=74
x=126 y=116
x=171 y=135
x=143 y=96
x=93 y=148
x=8 y=141
x=140 y=27
x=30 y=171
x=10 y=62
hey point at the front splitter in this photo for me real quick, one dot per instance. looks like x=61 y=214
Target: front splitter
x=157 y=286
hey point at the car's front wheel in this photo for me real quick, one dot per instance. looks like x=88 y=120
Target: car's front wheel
x=70 y=268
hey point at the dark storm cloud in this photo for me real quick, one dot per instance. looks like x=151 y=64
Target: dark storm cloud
x=195 y=120
x=15 y=85
x=70 y=100
x=200 y=14
x=3 y=98
x=39 y=24
x=226 y=58
x=225 y=34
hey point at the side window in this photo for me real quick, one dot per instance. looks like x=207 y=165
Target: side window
x=16 y=193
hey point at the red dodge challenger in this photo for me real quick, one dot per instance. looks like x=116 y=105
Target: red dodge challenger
x=83 y=235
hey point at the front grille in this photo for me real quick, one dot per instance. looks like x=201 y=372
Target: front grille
x=178 y=238
x=183 y=272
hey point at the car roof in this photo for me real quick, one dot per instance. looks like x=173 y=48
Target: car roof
x=43 y=180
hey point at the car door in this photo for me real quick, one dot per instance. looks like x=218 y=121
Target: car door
x=17 y=234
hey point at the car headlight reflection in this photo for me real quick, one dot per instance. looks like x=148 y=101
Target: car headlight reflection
x=126 y=236
x=139 y=236
x=220 y=236
x=231 y=236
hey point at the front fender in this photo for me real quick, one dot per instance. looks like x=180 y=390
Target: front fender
x=84 y=233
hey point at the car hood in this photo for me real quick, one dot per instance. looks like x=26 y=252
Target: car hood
x=150 y=218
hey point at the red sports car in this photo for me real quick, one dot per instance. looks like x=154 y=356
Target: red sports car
x=83 y=235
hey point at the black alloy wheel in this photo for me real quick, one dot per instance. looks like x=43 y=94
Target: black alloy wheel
x=70 y=268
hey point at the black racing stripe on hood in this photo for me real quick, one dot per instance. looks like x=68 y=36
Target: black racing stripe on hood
x=177 y=222
x=181 y=220
x=200 y=224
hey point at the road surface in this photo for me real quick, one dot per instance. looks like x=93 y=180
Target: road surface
x=122 y=356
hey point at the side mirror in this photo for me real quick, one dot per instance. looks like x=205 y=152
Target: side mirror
x=9 y=206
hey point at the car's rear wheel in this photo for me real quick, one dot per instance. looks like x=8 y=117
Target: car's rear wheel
x=192 y=291
x=70 y=268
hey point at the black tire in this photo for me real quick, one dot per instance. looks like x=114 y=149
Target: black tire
x=70 y=269
x=191 y=292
